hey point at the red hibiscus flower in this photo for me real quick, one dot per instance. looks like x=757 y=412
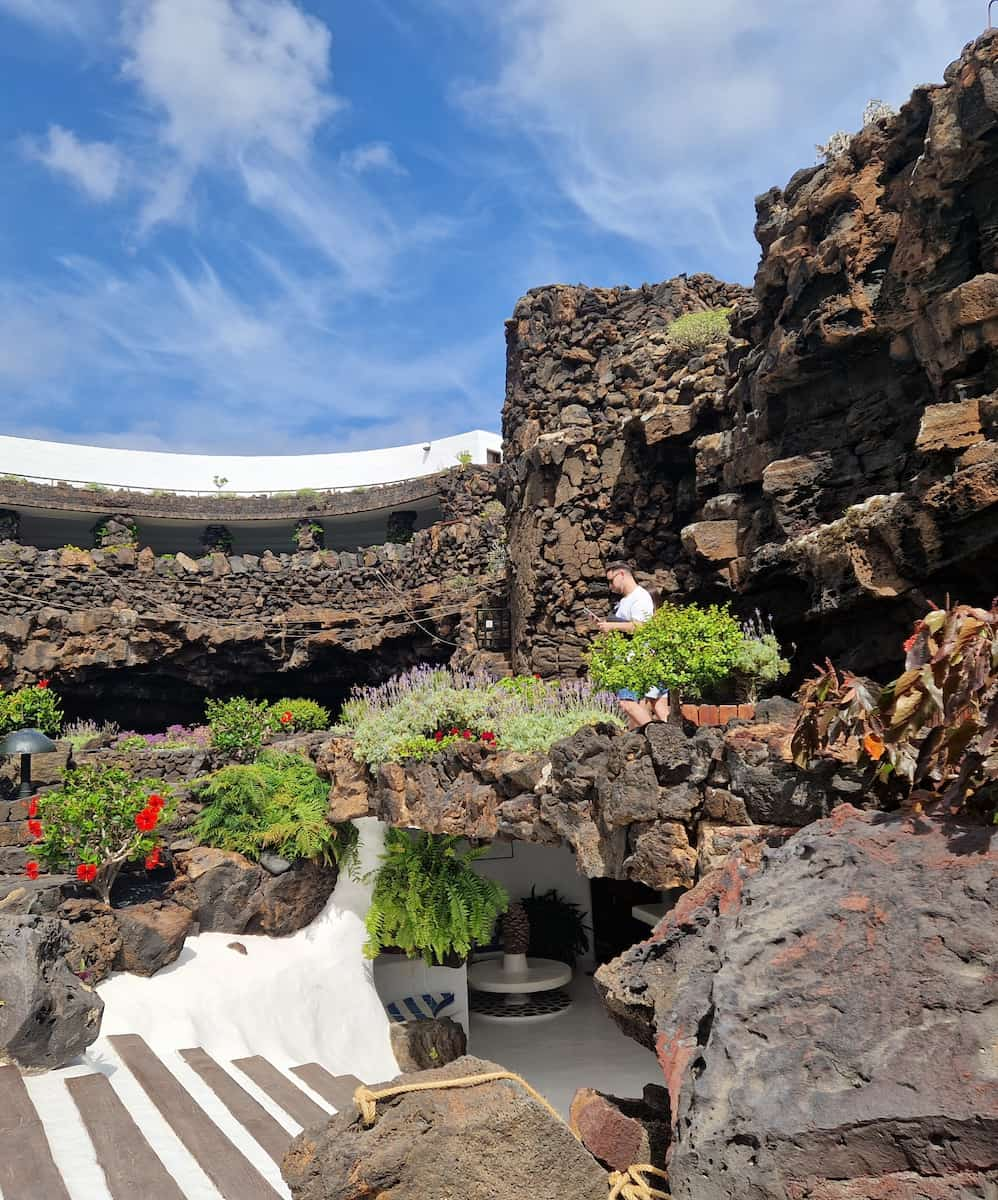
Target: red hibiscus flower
x=487 y=735
x=31 y=870
x=35 y=828
x=33 y=807
x=152 y=860
x=145 y=821
x=439 y=735
x=43 y=683
x=466 y=734
x=287 y=718
x=86 y=872
x=155 y=802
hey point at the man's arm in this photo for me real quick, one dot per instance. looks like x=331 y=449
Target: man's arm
x=616 y=626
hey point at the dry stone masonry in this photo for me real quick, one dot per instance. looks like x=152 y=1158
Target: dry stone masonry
x=836 y=461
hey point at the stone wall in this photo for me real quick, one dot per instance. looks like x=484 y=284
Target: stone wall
x=598 y=421
x=836 y=462
x=218 y=621
x=661 y=808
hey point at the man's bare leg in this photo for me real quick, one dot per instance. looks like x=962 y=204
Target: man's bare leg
x=637 y=714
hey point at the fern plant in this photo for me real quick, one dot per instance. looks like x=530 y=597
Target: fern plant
x=277 y=803
x=429 y=901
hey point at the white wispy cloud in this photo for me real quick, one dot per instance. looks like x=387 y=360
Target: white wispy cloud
x=658 y=121
x=95 y=167
x=60 y=16
x=375 y=156
x=183 y=359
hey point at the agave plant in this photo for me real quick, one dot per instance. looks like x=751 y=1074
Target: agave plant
x=929 y=735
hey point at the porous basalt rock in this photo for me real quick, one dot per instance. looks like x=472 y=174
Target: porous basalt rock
x=423 y=1045
x=835 y=462
x=226 y=893
x=494 y=1140
x=623 y=1133
x=48 y=1015
x=152 y=935
x=802 y=1002
x=94 y=938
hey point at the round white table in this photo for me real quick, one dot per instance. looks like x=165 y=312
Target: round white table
x=516 y=976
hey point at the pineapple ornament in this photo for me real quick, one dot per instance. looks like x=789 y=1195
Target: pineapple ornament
x=515 y=939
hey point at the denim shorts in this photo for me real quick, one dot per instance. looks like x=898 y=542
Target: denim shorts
x=627 y=694
x=653 y=693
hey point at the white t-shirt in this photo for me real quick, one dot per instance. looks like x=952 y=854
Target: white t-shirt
x=636 y=607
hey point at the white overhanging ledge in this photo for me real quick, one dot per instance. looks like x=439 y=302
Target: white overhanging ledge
x=145 y=469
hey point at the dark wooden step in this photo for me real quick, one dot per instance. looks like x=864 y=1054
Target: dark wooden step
x=336 y=1090
x=27 y=1169
x=280 y=1088
x=129 y=1163
x=271 y=1134
x=225 y=1166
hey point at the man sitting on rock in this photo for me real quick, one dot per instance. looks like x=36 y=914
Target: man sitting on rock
x=633 y=609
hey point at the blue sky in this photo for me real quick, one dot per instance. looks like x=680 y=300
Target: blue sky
x=265 y=226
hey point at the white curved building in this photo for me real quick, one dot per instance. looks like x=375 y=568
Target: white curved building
x=147 y=469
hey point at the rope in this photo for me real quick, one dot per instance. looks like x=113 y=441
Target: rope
x=631 y=1184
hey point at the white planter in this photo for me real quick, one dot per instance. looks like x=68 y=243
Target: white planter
x=396 y=976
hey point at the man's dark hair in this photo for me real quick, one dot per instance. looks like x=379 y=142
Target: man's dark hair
x=620 y=565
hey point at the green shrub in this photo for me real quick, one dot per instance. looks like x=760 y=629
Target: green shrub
x=94 y=487
x=557 y=927
x=306 y=716
x=238 y=726
x=402 y=718
x=134 y=742
x=697 y=330
x=36 y=707
x=98 y=820
x=418 y=748
x=277 y=803
x=307 y=493
x=758 y=664
x=687 y=649
x=619 y=660
x=429 y=901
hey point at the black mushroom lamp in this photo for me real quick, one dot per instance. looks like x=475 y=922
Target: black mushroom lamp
x=26 y=742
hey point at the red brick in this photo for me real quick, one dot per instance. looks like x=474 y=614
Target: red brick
x=746 y=712
x=727 y=712
x=709 y=714
x=691 y=713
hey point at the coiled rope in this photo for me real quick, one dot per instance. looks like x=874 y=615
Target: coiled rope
x=632 y=1184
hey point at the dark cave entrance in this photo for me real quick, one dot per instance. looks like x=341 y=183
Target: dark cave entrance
x=172 y=691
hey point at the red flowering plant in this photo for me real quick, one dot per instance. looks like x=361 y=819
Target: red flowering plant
x=931 y=735
x=100 y=819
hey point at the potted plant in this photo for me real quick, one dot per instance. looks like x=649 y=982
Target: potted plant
x=557 y=927
x=428 y=901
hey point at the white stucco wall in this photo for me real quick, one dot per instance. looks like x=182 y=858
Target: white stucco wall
x=244 y=473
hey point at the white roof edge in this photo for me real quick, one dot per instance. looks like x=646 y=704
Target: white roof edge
x=111 y=465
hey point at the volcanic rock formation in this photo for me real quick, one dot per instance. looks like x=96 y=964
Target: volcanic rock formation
x=836 y=462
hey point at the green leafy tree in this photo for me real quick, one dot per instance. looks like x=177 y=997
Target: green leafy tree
x=429 y=901
x=687 y=649
x=100 y=819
